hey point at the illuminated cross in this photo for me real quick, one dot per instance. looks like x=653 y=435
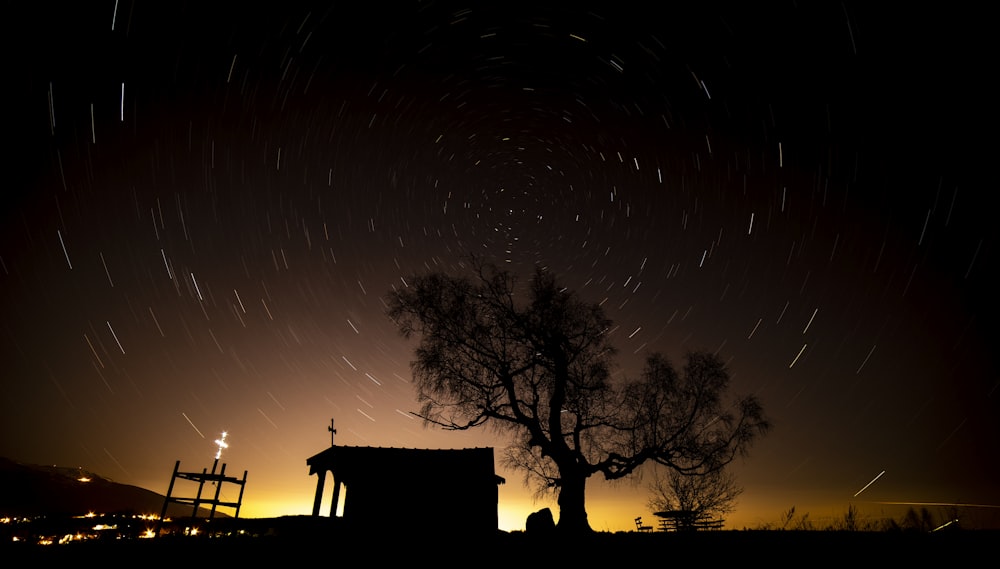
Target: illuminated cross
x=222 y=444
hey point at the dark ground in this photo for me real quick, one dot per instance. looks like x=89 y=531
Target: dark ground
x=707 y=549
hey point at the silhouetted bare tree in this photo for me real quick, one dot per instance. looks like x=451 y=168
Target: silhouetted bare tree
x=919 y=521
x=538 y=369
x=705 y=496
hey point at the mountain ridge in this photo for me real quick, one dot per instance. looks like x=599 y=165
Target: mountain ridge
x=43 y=490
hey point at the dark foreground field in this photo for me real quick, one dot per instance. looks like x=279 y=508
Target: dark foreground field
x=377 y=547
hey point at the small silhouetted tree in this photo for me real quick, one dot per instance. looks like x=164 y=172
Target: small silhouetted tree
x=918 y=521
x=705 y=496
x=851 y=521
x=535 y=364
x=786 y=517
x=789 y=522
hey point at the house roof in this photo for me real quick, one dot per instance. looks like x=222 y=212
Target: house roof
x=350 y=463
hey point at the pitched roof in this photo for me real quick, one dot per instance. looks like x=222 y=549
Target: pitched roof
x=350 y=463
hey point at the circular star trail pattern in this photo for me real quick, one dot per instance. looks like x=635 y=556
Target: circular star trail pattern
x=205 y=207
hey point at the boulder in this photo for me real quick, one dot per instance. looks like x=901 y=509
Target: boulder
x=540 y=522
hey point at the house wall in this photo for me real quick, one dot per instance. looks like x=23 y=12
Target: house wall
x=445 y=502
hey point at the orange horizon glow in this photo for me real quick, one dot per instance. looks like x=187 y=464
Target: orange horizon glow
x=282 y=487
x=607 y=514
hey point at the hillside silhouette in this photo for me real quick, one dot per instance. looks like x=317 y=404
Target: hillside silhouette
x=28 y=490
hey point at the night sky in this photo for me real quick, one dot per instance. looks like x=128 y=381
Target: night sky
x=204 y=206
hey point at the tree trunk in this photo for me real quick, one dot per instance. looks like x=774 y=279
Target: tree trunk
x=572 y=509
